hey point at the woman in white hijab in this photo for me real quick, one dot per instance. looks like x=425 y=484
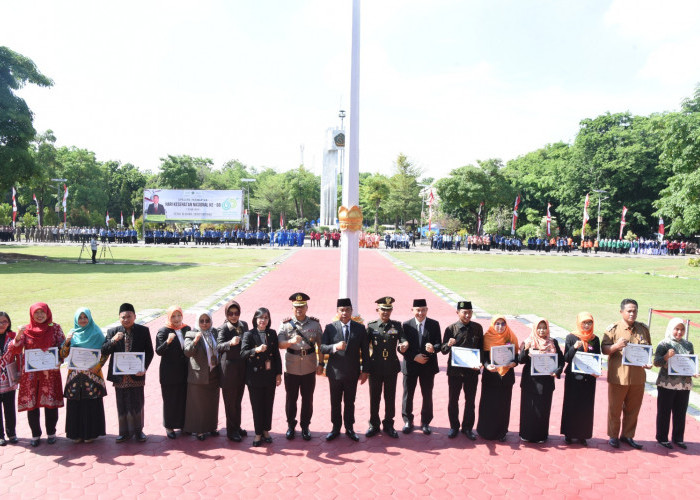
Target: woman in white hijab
x=202 y=409
x=673 y=390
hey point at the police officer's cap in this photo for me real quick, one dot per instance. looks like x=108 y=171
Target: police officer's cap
x=419 y=303
x=464 y=304
x=299 y=299
x=385 y=303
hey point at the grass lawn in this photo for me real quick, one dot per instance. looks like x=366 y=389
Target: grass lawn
x=150 y=278
x=558 y=287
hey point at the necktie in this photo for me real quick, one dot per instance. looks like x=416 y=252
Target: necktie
x=345 y=332
x=420 y=333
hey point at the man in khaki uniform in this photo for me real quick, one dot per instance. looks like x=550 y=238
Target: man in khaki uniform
x=625 y=383
x=300 y=336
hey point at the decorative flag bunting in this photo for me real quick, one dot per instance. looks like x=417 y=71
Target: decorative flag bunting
x=14 y=207
x=585 y=216
x=107 y=219
x=662 y=229
x=37 y=206
x=549 y=219
x=121 y=218
x=515 y=214
x=622 y=222
x=281 y=220
x=269 y=220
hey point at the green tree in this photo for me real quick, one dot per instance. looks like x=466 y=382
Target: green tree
x=229 y=177
x=125 y=185
x=43 y=153
x=86 y=182
x=5 y=214
x=183 y=172
x=270 y=195
x=373 y=190
x=16 y=129
x=404 y=200
x=304 y=188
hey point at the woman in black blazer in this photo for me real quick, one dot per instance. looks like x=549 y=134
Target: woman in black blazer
x=263 y=372
x=170 y=344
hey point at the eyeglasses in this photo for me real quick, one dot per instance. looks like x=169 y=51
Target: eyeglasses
x=233 y=313
x=205 y=321
x=499 y=323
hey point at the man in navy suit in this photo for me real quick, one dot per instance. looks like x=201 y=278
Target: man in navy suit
x=343 y=341
x=420 y=365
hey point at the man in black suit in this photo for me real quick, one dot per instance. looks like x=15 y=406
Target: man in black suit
x=463 y=333
x=129 y=337
x=420 y=365
x=343 y=341
x=155 y=208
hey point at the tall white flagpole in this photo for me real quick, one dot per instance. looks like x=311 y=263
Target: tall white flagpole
x=349 y=215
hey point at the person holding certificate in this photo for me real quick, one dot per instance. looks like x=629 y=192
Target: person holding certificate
x=625 y=381
x=170 y=345
x=228 y=343
x=85 y=386
x=9 y=377
x=127 y=339
x=542 y=360
x=202 y=413
x=40 y=340
x=579 y=388
x=263 y=372
x=464 y=334
x=497 y=380
x=673 y=390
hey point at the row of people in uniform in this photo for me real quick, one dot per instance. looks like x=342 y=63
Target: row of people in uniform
x=197 y=364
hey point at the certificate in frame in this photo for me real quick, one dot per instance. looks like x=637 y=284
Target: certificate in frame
x=128 y=363
x=83 y=359
x=637 y=355
x=38 y=360
x=502 y=355
x=543 y=363
x=683 y=365
x=587 y=363
x=466 y=357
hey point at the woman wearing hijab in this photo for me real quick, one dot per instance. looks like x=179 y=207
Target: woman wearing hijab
x=40 y=389
x=263 y=372
x=579 y=388
x=496 y=383
x=536 y=392
x=85 y=411
x=170 y=345
x=673 y=390
x=228 y=343
x=202 y=414
x=9 y=377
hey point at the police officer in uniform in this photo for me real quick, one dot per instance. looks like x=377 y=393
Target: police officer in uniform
x=386 y=337
x=300 y=336
x=463 y=333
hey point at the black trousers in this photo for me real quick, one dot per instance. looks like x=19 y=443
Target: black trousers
x=233 y=397
x=8 y=407
x=262 y=399
x=427 y=380
x=377 y=382
x=50 y=419
x=456 y=386
x=130 y=403
x=293 y=385
x=671 y=402
x=343 y=390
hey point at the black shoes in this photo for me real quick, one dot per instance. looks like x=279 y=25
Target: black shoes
x=121 y=439
x=631 y=442
x=665 y=444
x=306 y=434
x=257 y=443
x=235 y=437
x=452 y=433
x=680 y=444
x=407 y=428
x=51 y=440
x=372 y=431
x=426 y=430
x=35 y=442
x=141 y=437
x=3 y=442
x=215 y=433
x=568 y=440
x=267 y=439
x=614 y=442
x=12 y=440
x=332 y=435
x=391 y=432
x=351 y=434
x=290 y=433
x=469 y=433
x=201 y=437
x=243 y=432
x=171 y=434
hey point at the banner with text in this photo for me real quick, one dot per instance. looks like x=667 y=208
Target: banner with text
x=192 y=205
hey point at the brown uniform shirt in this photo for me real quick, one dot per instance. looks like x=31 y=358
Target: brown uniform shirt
x=618 y=373
x=304 y=358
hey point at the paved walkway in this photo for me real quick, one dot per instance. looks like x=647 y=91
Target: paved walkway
x=411 y=466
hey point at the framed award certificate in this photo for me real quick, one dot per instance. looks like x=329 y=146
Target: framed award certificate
x=37 y=360
x=543 y=363
x=83 y=359
x=637 y=355
x=587 y=363
x=502 y=355
x=683 y=365
x=129 y=363
x=465 y=357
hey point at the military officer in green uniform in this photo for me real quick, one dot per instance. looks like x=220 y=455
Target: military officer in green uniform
x=386 y=337
x=300 y=336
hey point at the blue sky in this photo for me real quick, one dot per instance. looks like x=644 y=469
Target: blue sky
x=446 y=82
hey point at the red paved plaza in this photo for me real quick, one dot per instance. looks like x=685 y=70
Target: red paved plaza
x=411 y=466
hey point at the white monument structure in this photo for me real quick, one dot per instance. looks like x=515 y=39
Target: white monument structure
x=332 y=162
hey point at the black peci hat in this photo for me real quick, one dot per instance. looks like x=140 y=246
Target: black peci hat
x=344 y=303
x=464 y=304
x=126 y=307
x=419 y=303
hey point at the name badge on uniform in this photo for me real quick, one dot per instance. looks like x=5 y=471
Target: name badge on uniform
x=268 y=364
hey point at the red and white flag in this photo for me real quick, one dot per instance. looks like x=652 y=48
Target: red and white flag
x=431 y=199
x=549 y=219
x=133 y=219
x=258 y=220
x=269 y=220
x=478 y=220
x=281 y=220
x=14 y=207
x=121 y=218
x=585 y=216
x=622 y=222
x=515 y=214
x=107 y=219
x=662 y=229
x=65 y=197
x=37 y=205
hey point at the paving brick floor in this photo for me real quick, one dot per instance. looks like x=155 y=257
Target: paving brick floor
x=411 y=466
